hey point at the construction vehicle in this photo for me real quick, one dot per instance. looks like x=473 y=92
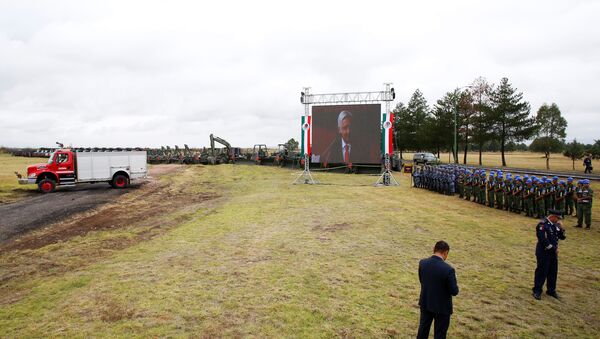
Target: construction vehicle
x=220 y=156
x=176 y=157
x=261 y=156
x=236 y=153
x=285 y=157
x=281 y=155
x=66 y=167
x=190 y=157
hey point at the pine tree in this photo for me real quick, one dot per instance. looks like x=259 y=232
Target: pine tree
x=510 y=114
x=574 y=151
x=440 y=128
x=466 y=113
x=417 y=111
x=551 y=131
x=401 y=127
x=482 y=116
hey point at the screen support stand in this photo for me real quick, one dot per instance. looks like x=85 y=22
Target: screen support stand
x=387 y=178
x=305 y=177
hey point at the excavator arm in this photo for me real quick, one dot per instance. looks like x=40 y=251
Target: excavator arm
x=214 y=139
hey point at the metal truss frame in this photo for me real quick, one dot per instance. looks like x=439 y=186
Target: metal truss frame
x=307 y=99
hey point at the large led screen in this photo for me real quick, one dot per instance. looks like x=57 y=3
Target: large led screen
x=346 y=134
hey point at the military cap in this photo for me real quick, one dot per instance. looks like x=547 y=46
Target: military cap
x=558 y=213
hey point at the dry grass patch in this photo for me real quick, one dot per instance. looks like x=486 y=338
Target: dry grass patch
x=10 y=190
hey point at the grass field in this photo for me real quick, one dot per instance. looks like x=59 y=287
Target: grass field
x=270 y=259
x=10 y=190
x=558 y=162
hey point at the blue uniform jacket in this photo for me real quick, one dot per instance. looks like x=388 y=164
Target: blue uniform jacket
x=548 y=234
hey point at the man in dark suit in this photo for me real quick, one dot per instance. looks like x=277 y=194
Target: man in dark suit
x=438 y=285
x=345 y=149
x=340 y=148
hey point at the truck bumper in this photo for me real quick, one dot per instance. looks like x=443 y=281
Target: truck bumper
x=27 y=181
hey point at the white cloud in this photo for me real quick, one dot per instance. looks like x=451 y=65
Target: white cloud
x=137 y=73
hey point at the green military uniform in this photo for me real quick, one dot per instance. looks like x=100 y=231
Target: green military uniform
x=490 y=190
x=468 y=186
x=549 y=196
x=475 y=184
x=528 y=196
x=499 y=193
x=517 y=196
x=555 y=185
x=482 y=186
x=585 y=196
x=560 y=193
x=540 y=194
x=579 y=185
x=508 y=200
x=569 y=198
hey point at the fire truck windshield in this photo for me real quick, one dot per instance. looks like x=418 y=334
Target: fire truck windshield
x=51 y=157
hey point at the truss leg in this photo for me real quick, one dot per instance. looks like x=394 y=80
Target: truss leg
x=305 y=177
x=387 y=178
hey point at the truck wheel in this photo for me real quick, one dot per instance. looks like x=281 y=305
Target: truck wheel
x=120 y=181
x=46 y=185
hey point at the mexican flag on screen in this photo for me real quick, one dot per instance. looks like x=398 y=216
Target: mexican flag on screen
x=387 y=133
x=305 y=130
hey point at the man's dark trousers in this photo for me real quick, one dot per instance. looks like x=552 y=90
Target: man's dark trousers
x=547 y=269
x=440 y=326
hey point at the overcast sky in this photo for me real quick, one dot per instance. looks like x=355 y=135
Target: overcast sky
x=150 y=73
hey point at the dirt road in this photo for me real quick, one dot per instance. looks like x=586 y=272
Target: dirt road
x=46 y=209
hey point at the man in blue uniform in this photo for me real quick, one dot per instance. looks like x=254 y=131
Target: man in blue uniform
x=549 y=232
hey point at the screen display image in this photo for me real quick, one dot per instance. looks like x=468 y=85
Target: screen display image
x=346 y=134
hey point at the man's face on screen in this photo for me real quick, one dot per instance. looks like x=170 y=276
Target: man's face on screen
x=345 y=130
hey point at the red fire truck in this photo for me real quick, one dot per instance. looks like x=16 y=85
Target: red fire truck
x=68 y=168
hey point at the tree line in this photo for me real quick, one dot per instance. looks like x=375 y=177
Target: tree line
x=486 y=117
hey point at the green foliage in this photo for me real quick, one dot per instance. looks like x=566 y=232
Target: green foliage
x=440 y=124
x=411 y=123
x=593 y=149
x=546 y=145
x=510 y=116
x=551 y=131
x=482 y=119
x=418 y=112
x=550 y=122
x=401 y=127
x=291 y=145
x=466 y=114
x=574 y=151
x=488 y=117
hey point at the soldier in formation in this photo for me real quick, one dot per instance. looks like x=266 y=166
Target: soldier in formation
x=584 y=197
x=528 y=194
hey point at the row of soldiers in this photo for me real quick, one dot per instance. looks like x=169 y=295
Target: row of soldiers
x=532 y=195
